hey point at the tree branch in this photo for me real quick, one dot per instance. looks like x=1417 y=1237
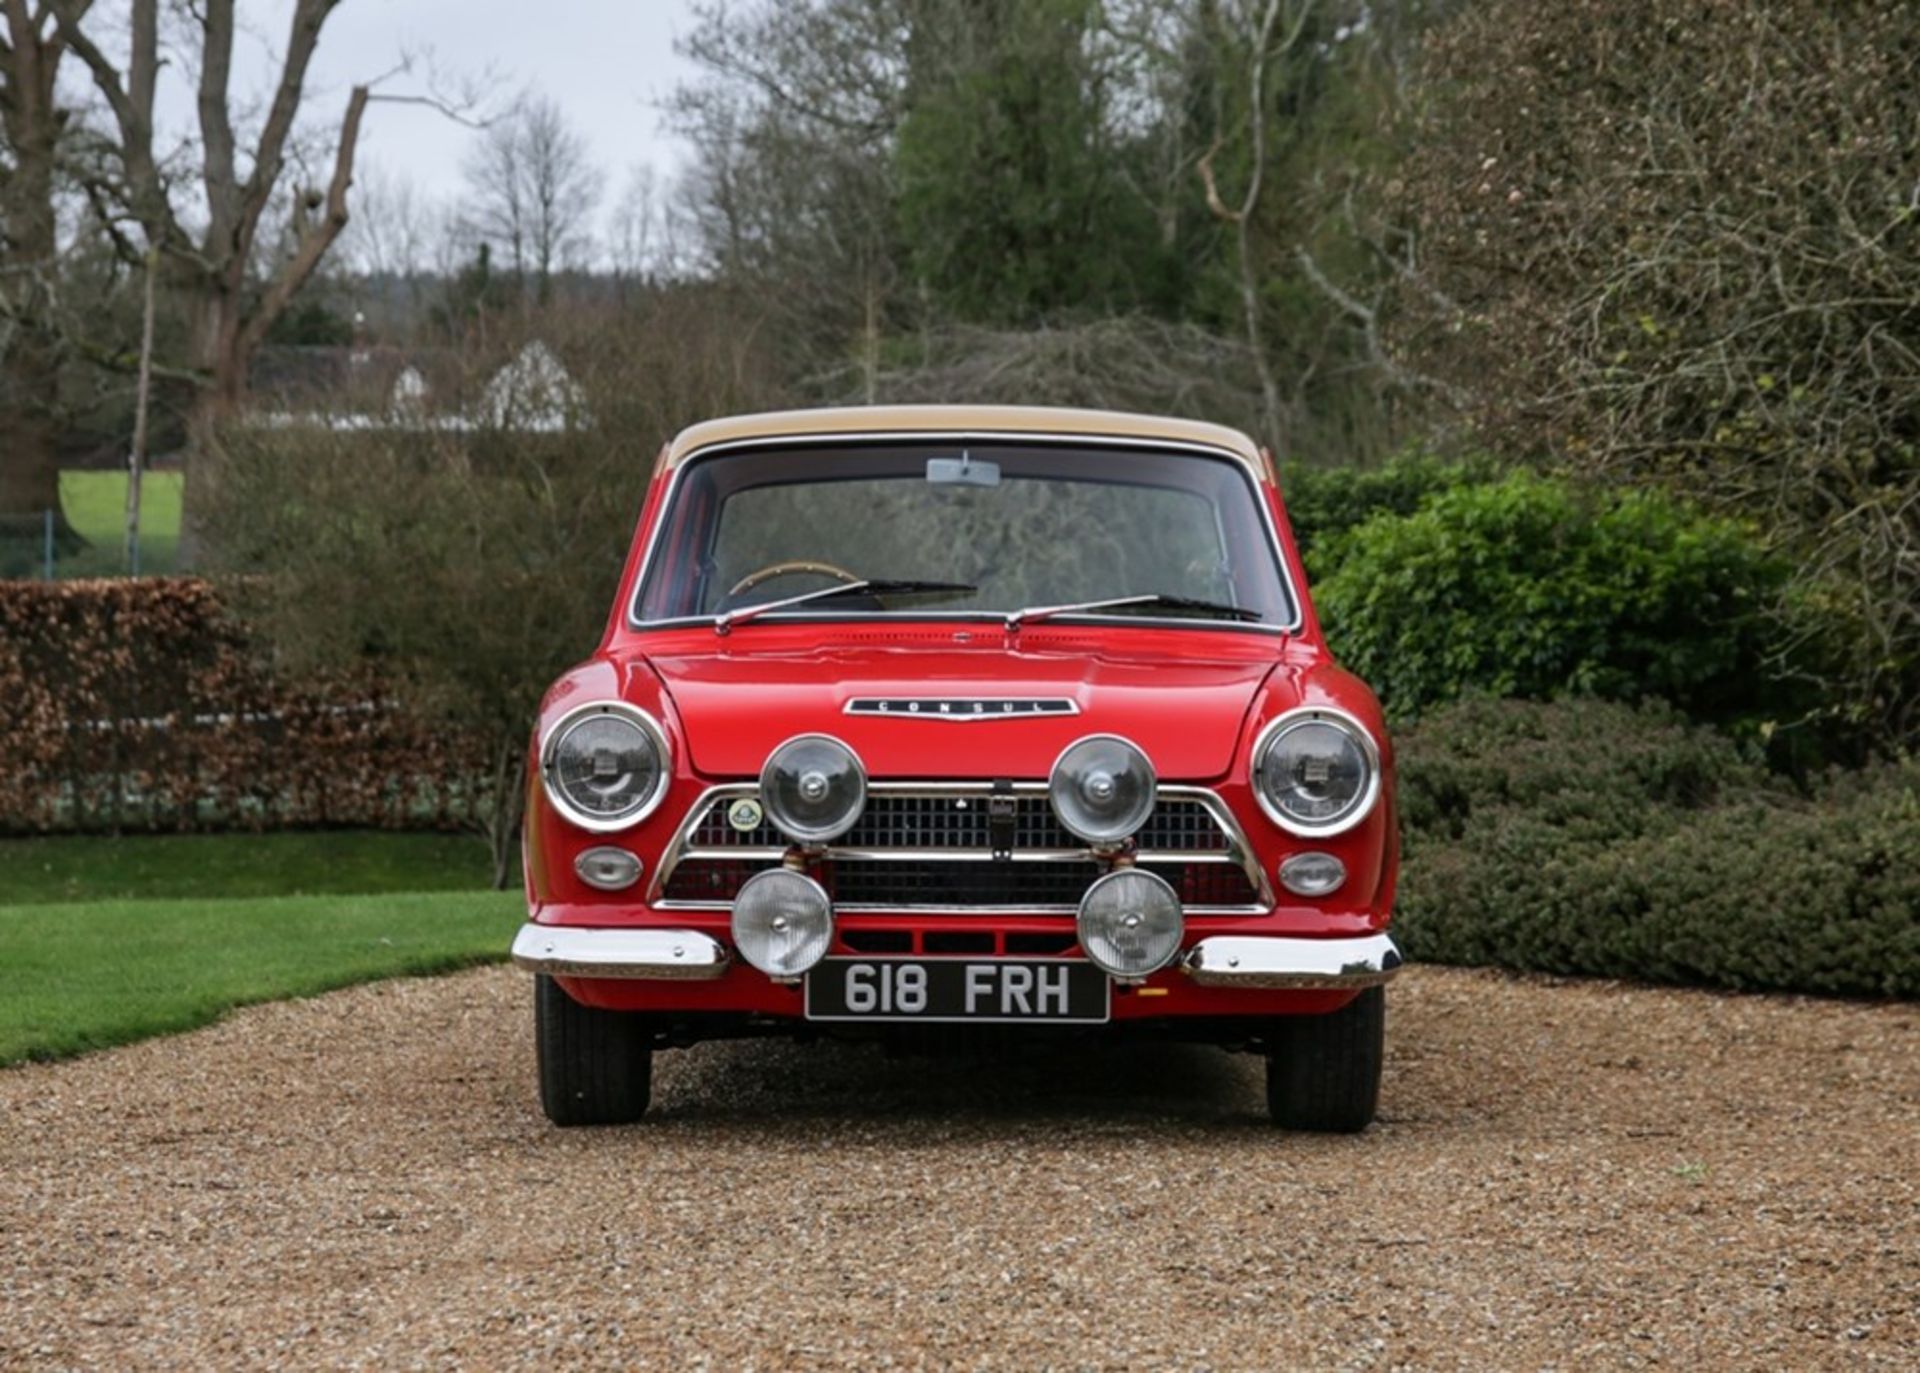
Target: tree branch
x=100 y=354
x=270 y=153
x=1205 y=168
x=317 y=237
x=216 y=124
x=132 y=107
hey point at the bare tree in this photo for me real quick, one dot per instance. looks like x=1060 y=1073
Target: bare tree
x=495 y=211
x=533 y=188
x=1690 y=256
x=212 y=268
x=393 y=227
x=1133 y=363
x=1262 y=52
x=392 y=243
x=639 y=229
x=236 y=253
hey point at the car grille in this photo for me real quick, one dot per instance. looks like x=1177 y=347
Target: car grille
x=935 y=849
x=897 y=821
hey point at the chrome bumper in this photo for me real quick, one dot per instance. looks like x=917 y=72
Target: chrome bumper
x=1306 y=964
x=571 y=952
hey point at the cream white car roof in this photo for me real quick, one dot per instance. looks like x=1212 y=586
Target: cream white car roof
x=965 y=421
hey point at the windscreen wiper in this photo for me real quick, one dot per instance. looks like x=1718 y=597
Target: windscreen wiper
x=879 y=586
x=1156 y=600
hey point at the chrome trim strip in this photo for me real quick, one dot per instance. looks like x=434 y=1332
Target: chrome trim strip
x=1299 y=715
x=1284 y=963
x=681 y=847
x=765 y=854
x=980 y=788
x=570 y=951
x=1238 y=849
x=1254 y=477
x=965 y=912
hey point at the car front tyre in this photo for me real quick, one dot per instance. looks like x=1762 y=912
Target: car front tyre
x=596 y=1067
x=1323 y=1071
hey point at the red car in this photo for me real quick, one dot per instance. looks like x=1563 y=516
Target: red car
x=909 y=720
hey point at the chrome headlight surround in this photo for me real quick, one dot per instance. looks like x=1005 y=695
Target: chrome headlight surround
x=1364 y=800
x=820 y=830
x=1060 y=783
x=647 y=802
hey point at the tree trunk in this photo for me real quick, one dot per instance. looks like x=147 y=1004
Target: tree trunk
x=506 y=807
x=220 y=355
x=29 y=436
x=29 y=462
x=29 y=358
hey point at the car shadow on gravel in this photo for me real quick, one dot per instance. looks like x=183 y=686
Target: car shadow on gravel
x=773 y=1083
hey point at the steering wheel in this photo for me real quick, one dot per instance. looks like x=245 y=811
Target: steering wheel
x=793 y=567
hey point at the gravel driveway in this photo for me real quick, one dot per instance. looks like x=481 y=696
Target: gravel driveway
x=1564 y=1175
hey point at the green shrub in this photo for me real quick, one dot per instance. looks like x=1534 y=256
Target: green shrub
x=1325 y=502
x=1534 y=588
x=1587 y=837
x=1601 y=770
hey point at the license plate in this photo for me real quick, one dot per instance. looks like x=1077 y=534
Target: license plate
x=1059 y=991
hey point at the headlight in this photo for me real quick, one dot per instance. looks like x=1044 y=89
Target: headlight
x=1316 y=771
x=782 y=922
x=1102 y=788
x=604 y=765
x=1130 y=923
x=813 y=788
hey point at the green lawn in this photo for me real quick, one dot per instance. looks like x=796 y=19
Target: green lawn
x=289 y=863
x=103 y=941
x=96 y=506
x=76 y=976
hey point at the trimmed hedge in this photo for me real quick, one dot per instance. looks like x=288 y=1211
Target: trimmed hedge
x=1535 y=588
x=138 y=704
x=1589 y=837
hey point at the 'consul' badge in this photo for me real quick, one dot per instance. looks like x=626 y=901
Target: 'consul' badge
x=745 y=815
x=964 y=708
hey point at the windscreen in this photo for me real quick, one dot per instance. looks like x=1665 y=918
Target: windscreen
x=1023 y=526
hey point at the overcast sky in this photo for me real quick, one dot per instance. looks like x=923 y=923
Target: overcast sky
x=607 y=62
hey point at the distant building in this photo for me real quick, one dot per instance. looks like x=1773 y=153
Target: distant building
x=534 y=392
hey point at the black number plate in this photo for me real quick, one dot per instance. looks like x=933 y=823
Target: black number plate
x=1065 y=991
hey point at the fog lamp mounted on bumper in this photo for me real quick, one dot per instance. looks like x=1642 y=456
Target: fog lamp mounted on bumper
x=1130 y=923
x=782 y=922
